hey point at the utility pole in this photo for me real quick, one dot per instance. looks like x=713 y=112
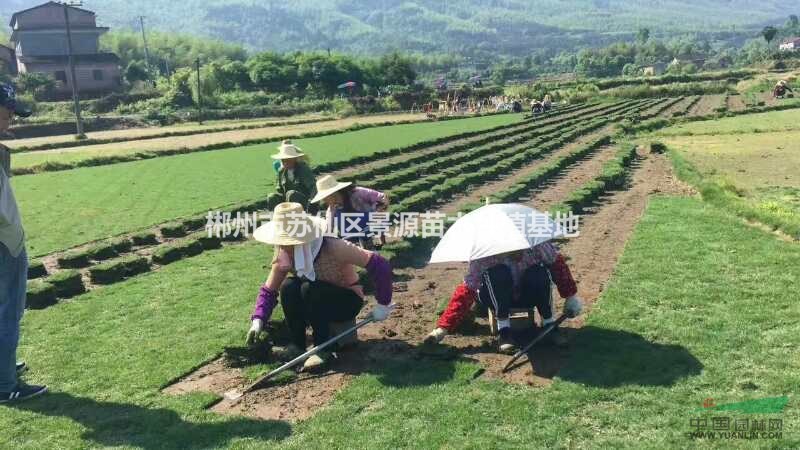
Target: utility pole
x=199 y=94
x=71 y=63
x=144 y=40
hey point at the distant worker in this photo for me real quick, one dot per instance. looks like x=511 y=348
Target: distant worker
x=537 y=107
x=781 y=89
x=547 y=104
x=295 y=182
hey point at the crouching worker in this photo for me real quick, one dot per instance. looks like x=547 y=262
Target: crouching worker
x=295 y=181
x=315 y=278
x=519 y=279
x=349 y=208
x=781 y=89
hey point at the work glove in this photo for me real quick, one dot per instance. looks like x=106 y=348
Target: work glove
x=436 y=336
x=252 y=335
x=381 y=312
x=573 y=306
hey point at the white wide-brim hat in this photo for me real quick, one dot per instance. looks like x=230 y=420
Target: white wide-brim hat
x=326 y=186
x=287 y=150
x=290 y=225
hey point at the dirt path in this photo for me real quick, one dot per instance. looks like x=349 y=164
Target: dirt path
x=421 y=292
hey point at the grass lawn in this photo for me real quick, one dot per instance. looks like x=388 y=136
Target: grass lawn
x=233 y=137
x=755 y=174
x=750 y=123
x=750 y=161
x=64 y=209
x=719 y=321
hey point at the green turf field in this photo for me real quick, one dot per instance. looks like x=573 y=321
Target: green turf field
x=63 y=209
x=698 y=308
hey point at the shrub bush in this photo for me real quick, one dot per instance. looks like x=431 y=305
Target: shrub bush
x=113 y=271
x=67 y=283
x=40 y=294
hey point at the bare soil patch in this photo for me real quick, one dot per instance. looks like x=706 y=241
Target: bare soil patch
x=707 y=105
x=424 y=290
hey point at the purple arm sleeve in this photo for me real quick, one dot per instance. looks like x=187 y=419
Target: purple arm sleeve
x=265 y=302
x=380 y=271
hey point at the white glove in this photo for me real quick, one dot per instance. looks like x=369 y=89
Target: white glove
x=573 y=306
x=436 y=336
x=381 y=312
x=255 y=329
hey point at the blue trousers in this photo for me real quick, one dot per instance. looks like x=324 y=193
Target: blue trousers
x=13 y=284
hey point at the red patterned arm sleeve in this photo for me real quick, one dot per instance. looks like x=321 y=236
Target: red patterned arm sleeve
x=457 y=309
x=562 y=277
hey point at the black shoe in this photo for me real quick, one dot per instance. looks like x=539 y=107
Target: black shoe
x=21 y=393
x=21 y=368
x=505 y=342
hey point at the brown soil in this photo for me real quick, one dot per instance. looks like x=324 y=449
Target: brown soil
x=707 y=105
x=424 y=290
x=681 y=106
x=736 y=103
x=660 y=104
x=479 y=193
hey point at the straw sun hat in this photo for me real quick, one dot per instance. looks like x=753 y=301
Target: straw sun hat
x=326 y=186
x=290 y=225
x=287 y=150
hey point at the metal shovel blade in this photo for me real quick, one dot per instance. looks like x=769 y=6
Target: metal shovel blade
x=235 y=394
x=538 y=338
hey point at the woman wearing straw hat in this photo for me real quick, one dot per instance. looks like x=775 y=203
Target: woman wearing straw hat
x=349 y=207
x=316 y=280
x=781 y=89
x=295 y=182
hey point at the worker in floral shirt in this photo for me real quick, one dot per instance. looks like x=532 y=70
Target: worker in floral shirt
x=356 y=202
x=512 y=280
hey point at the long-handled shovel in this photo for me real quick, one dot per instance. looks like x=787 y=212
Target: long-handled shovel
x=538 y=338
x=235 y=395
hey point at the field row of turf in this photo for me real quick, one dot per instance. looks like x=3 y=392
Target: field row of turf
x=112 y=262
x=666 y=335
x=63 y=209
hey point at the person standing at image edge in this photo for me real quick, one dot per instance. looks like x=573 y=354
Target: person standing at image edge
x=13 y=266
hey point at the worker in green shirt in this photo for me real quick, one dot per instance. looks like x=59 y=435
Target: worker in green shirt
x=296 y=182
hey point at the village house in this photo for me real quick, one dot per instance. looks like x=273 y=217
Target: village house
x=791 y=45
x=39 y=37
